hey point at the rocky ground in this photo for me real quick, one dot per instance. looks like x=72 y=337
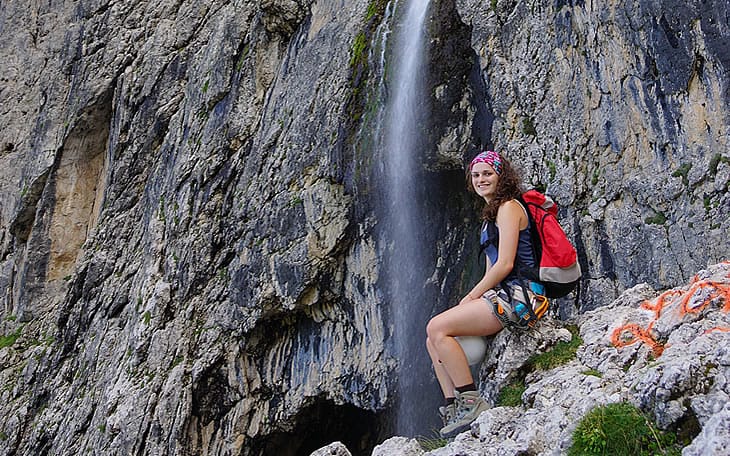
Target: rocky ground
x=666 y=353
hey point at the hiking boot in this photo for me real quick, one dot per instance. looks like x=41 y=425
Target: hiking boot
x=469 y=405
x=448 y=413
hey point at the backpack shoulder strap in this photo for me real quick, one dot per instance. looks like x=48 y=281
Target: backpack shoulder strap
x=492 y=234
x=535 y=240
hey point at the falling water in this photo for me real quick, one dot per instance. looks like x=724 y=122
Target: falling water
x=405 y=126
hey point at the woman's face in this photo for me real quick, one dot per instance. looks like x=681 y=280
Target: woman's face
x=484 y=180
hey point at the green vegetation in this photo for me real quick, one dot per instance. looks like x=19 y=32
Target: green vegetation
x=511 y=395
x=295 y=200
x=683 y=172
x=359 y=58
x=715 y=162
x=620 y=429
x=177 y=360
x=161 y=209
x=707 y=203
x=528 y=126
x=552 y=169
x=375 y=8
x=596 y=174
x=493 y=5
x=359 y=47
x=657 y=219
x=9 y=340
x=146 y=317
x=593 y=372
x=432 y=443
x=242 y=59
x=562 y=353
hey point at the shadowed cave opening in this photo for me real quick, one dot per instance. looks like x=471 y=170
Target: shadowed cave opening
x=322 y=423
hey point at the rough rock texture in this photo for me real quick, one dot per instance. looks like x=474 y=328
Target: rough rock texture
x=190 y=258
x=178 y=254
x=621 y=109
x=678 y=375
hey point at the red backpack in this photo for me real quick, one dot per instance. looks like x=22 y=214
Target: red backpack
x=556 y=260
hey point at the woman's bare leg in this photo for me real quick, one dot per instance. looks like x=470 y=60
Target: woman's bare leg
x=447 y=386
x=471 y=318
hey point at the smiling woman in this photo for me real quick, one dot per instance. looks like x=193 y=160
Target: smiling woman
x=493 y=302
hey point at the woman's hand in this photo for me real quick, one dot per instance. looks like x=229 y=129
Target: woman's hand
x=466 y=298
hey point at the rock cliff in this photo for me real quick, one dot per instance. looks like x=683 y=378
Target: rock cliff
x=191 y=252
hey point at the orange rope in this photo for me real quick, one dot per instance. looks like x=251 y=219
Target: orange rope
x=631 y=333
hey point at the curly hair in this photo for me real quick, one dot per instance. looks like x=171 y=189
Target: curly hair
x=509 y=186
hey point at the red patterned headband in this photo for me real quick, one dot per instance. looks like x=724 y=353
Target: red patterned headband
x=489 y=157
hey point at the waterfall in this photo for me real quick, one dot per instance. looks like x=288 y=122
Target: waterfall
x=404 y=127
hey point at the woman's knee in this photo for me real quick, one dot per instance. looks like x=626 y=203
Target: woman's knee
x=432 y=328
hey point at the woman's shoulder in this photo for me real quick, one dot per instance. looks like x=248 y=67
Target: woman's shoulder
x=511 y=205
x=512 y=209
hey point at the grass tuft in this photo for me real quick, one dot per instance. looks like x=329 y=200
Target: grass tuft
x=562 y=353
x=432 y=443
x=511 y=394
x=621 y=428
x=9 y=340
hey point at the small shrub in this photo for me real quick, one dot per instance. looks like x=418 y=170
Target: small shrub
x=620 y=429
x=562 y=353
x=657 y=219
x=511 y=395
x=683 y=172
x=9 y=340
x=715 y=162
x=552 y=169
x=528 y=126
x=375 y=9
x=596 y=175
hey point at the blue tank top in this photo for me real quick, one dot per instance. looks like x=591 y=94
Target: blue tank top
x=524 y=248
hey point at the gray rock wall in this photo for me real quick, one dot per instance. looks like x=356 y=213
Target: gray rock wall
x=179 y=259
x=190 y=257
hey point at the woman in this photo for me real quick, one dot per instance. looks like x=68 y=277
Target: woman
x=492 y=178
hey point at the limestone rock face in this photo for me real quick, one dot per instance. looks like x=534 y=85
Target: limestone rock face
x=191 y=259
x=181 y=272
